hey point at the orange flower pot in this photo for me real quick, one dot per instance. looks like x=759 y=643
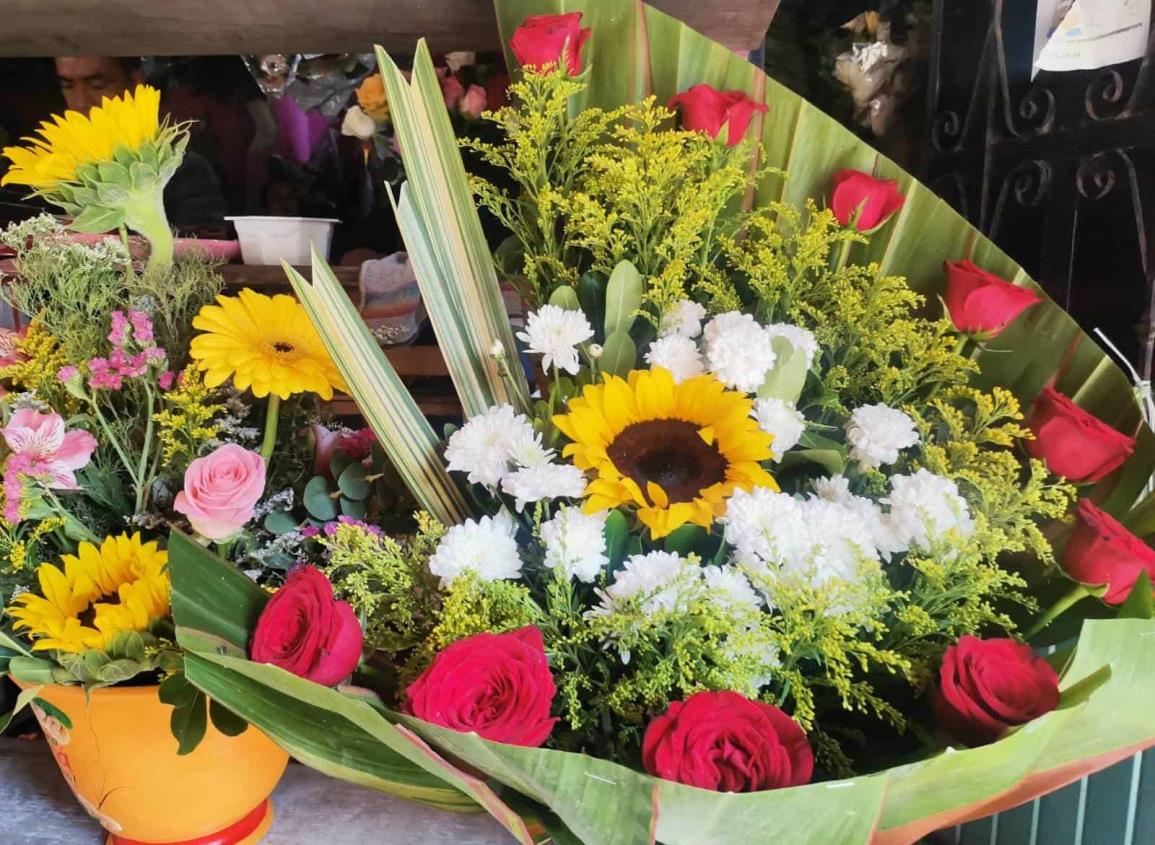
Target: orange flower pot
x=120 y=760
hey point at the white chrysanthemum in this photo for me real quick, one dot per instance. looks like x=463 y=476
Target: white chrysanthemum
x=924 y=507
x=738 y=351
x=660 y=578
x=575 y=542
x=485 y=546
x=782 y=421
x=678 y=354
x=815 y=540
x=544 y=481
x=800 y=338
x=837 y=489
x=484 y=447
x=877 y=433
x=684 y=319
x=730 y=588
x=555 y=334
x=523 y=447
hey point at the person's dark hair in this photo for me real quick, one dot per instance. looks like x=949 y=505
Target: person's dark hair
x=130 y=64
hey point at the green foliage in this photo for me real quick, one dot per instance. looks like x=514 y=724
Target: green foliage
x=388 y=584
x=131 y=654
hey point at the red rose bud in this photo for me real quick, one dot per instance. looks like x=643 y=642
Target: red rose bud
x=987 y=687
x=705 y=109
x=981 y=304
x=1072 y=442
x=539 y=41
x=496 y=685
x=725 y=742
x=1102 y=553
x=866 y=202
x=306 y=631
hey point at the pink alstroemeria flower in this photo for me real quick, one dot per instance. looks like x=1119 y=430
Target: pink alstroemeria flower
x=46 y=448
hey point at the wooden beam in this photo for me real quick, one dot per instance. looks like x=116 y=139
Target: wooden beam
x=203 y=27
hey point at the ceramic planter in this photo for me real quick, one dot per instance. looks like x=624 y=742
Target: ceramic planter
x=120 y=759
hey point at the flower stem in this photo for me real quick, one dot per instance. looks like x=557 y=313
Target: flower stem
x=272 y=415
x=144 y=213
x=112 y=438
x=1056 y=610
x=143 y=482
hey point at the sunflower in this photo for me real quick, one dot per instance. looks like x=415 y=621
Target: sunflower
x=266 y=344
x=69 y=142
x=675 y=451
x=102 y=592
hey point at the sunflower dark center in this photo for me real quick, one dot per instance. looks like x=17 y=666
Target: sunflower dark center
x=87 y=616
x=669 y=453
x=282 y=346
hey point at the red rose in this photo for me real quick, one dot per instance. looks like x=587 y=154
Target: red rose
x=874 y=201
x=725 y=742
x=496 y=685
x=1103 y=552
x=1072 y=442
x=988 y=686
x=705 y=109
x=538 y=42
x=980 y=303
x=306 y=631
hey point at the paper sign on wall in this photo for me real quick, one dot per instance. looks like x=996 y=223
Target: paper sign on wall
x=1089 y=34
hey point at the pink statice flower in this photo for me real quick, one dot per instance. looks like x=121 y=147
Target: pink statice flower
x=331 y=527
x=141 y=327
x=120 y=331
x=166 y=380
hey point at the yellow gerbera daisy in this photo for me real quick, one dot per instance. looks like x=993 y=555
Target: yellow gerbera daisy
x=71 y=140
x=675 y=451
x=264 y=343
x=102 y=592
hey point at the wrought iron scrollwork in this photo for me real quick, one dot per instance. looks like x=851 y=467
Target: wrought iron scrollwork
x=1029 y=184
x=1104 y=94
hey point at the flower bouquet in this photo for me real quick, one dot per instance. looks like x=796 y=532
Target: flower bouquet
x=138 y=400
x=760 y=547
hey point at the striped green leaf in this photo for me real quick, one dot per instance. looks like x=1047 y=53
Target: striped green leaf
x=442 y=231
x=387 y=405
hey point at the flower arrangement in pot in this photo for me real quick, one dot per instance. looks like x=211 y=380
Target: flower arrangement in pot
x=136 y=402
x=766 y=557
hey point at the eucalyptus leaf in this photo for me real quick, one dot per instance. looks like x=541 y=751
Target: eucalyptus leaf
x=355 y=508
x=339 y=461
x=566 y=298
x=623 y=299
x=352 y=482
x=280 y=522
x=318 y=499
x=619 y=354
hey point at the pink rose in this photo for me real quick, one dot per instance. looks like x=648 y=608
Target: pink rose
x=220 y=491
x=451 y=89
x=473 y=103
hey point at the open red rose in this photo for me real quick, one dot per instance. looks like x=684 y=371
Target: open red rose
x=725 y=742
x=1101 y=552
x=1072 y=442
x=306 y=631
x=980 y=303
x=874 y=201
x=538 y=42
x=987 y=687
x=496 y=685
x=706 y=109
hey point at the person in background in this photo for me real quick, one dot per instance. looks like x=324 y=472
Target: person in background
x=193 y=198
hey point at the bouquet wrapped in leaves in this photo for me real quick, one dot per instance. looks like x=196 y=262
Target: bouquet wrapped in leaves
x=804 y=469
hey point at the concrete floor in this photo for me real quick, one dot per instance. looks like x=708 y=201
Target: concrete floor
x=36 y=808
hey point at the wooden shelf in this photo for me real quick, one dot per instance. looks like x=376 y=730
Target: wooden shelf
x=271 y=278
x=197 y=27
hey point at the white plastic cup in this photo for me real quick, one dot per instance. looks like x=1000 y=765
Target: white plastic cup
x=271 y=240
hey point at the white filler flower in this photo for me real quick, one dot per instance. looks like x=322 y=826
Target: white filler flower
x=738 y=351
x=678 y=354
x=485 y=446
x=544 y=481
x=877 y=433
x=485 y=546
x=660 y=578
x=684 y=319
x=925 y=507
x=555 y=334
x=782 y=421
x=575 y=542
